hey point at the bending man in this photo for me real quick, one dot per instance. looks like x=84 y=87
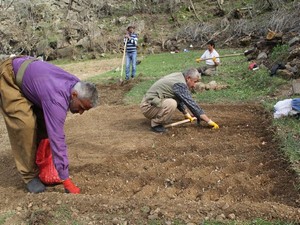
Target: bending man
x=169 y=93
x=35 y=98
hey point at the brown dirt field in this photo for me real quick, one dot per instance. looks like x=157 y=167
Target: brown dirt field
x=130 y=175
x=90 y=68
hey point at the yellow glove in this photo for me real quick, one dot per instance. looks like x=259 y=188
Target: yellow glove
x=214 y=59
x=198 y=60
x=213 y=124
x=188 y=116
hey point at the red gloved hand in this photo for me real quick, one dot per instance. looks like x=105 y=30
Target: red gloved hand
x=70 y=187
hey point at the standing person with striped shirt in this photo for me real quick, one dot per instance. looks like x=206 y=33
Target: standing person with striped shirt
x=131 y=40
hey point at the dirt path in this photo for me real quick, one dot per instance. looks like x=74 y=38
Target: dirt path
x=91 y=68
x=131 y=175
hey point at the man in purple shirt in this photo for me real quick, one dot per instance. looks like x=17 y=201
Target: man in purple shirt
x=35 y=97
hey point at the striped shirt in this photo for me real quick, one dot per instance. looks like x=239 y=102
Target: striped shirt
x=131 y=43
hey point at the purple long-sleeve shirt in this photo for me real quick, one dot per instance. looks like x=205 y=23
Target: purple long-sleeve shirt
x=49 y=87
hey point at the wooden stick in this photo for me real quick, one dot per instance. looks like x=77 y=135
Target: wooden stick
x=192 y=4
x=123 y=60
x=179 y=122
x=224 y=56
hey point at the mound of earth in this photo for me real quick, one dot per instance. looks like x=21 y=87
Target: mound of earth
x=130 y=175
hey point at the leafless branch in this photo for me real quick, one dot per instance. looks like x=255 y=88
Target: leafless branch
x=216 y=34
x=9 y=5
x=193 y=7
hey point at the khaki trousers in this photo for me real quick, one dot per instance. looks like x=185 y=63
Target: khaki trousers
x=209 y=70
x=21 y=122
x=159 y=115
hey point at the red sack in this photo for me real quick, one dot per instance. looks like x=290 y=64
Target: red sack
x=48 y=173
x=253 y=66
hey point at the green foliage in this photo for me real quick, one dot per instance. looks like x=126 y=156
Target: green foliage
x=279 y=53
x=183 y=14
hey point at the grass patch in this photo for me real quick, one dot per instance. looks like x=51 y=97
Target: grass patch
x=63 y=215
x=244 y=85
x=5 y=216
x=254 y=222
x=288 y=132
x=60 y=216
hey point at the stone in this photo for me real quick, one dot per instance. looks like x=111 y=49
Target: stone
x=294 y=41
x=285 y=74
x=262 y=55
x=296 y=86
x=231 y=216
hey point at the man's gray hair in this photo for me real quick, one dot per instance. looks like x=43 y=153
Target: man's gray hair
x=192 y=73
x=88 y=91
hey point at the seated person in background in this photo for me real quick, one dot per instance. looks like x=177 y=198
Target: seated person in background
x=212 y=60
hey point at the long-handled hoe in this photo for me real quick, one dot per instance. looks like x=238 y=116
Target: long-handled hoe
x=245 y=53
x=123 y=60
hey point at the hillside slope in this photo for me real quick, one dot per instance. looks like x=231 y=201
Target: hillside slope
x=86 y=29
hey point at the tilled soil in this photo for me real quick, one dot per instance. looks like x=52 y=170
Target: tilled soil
x=130 y=175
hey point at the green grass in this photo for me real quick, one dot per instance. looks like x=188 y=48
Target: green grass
x=62 y=215
x=244 y=85
x=4 y=216
x=253 y=222
x=288 y=131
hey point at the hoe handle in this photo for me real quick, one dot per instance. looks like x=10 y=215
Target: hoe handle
x=224 y=56
x=123 y=58
x=178 y=123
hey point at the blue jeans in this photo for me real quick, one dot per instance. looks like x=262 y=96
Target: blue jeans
x=130 y=59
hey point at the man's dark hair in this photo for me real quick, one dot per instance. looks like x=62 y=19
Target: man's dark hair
x=212 y=43
x=130 y=27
